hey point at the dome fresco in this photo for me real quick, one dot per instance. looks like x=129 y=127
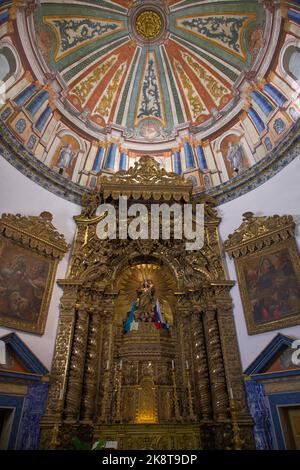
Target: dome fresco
x=116 y=72
x=209 y=88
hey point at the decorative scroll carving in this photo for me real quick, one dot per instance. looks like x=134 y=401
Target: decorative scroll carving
x=216 y=366
x=146 y=180
x=230 y=348
x=30 y=249
x=64 y=338
x=91 y=367
x=201 y=368
x=268 y=269
x=109 y=373
x=35 y=232
x=256 y=233
x=76 y=370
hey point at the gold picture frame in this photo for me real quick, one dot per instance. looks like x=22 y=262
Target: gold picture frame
x=268 y=271
x=30 y=250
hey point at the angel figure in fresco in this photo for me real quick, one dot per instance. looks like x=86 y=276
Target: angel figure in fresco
x=65 y=157
x=235 y=156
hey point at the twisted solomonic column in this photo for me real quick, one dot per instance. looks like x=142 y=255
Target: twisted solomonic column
x=77 y=362
x=216 y=365
x=91 y=367
x=201 y=367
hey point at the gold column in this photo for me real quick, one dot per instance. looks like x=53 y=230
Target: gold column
x=185 y=354
x=76 y=371
x=216 y=366
x=201 y=368
x=231 y=355
x=106 y=362
x=60 y=367
x=91 y=367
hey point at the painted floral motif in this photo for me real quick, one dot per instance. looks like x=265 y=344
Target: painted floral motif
x=78 y=44
x=294 y=114
x=105 y=103
x=74 y=32
x=216 y=88
x=20 y=126
x=279 y=126
x=150 y=100
x=6 y=113
x=193 y=97
x=87 y=86
x=222 y=29
x=31 y=142
x=268 y=144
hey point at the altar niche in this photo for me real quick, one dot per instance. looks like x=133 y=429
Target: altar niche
x=146 y=351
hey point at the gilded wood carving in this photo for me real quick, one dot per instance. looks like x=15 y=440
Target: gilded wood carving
x=268 y=270
x=30 y=249
x=111 y=384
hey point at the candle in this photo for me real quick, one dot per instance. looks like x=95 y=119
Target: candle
x=121 y=363
x=173 y=364
x=107 y=364
x=187 y=364
x=231 y=393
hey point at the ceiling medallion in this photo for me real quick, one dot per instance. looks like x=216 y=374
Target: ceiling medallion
x=149 y=24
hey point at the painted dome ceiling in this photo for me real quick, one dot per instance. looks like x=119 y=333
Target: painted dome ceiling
x=149 y=67
x=208 y=88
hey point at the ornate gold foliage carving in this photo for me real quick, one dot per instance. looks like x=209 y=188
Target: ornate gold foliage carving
x=256 y=240
x=92 y=362
x=256 y=233
x=216 y=366
x=146 y=180
x=90 y=202
x=36 y=232
x=77 y=364
x=99 y=373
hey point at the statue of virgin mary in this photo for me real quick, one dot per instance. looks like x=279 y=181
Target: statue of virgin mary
x=146 y=300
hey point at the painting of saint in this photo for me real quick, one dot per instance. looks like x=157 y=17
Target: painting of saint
x=23 y=281
x=234 y=155
x=65 y=156
x=272 y=287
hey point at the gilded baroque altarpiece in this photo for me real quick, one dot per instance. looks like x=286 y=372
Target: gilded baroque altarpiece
x=148 y=388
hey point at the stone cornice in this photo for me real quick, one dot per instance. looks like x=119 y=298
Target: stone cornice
x=16 y=154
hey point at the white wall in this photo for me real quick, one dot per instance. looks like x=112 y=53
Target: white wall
x=18 y=194
x=280 y=195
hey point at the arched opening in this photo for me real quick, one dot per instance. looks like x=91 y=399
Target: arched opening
x=291 y=62
x=144 y=343
x=8 y=63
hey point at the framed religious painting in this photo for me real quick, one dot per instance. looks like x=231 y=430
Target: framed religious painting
x=30 y=249
x=268 y=272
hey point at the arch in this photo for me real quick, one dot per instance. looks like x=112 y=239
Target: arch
x=283 y=59
x=10 y=67
x=291 y=62
x=193 y=180
x=136 y=258
x=233 y=138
